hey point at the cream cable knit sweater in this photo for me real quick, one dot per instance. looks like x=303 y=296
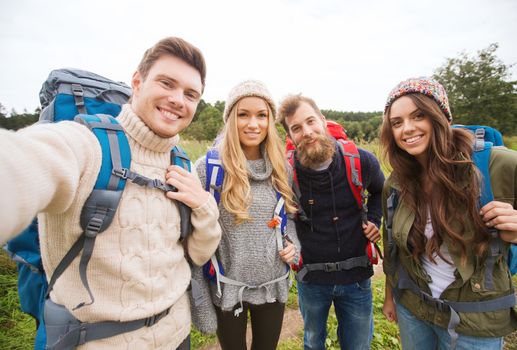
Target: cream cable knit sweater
x=138 y=267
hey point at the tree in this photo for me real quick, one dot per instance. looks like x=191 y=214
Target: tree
x=200 y=107
x=207 y=124
x=3 y=112
x=220 y=106
x=480 y=90
x=17 y=120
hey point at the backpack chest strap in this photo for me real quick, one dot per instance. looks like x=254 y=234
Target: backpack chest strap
x=142 y=180
x=220 y=278
x=500 y=303
x=72 y=333
x=348 y=264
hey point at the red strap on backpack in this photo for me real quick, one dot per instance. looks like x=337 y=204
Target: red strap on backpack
x=350 y=155
x=353 y=169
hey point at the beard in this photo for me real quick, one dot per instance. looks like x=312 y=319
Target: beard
x=313 y=155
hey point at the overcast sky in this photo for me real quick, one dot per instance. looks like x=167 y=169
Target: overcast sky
x=347 y=55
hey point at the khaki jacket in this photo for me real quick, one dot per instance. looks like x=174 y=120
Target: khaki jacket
x=470 y=277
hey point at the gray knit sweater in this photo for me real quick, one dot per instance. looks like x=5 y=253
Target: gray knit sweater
x=248 y=251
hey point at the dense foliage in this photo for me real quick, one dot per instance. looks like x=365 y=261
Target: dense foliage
x=480 y=90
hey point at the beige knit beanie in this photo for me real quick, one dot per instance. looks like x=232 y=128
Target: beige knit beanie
x=247 y=88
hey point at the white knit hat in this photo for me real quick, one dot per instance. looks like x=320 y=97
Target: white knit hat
x=248 y=88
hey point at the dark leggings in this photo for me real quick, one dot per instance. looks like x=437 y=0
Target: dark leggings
x=266 y=324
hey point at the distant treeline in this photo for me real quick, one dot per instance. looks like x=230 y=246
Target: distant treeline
x=17 y=120
x=479 y=87
x=208 y=122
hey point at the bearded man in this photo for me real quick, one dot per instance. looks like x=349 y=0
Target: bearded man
x=333 y=233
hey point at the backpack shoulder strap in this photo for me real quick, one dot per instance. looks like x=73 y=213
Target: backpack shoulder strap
x=353 y=170
x=296 y=186
x=100 y=207
x=300 y=214
x=214 y=174
x=481 y=158
x=280 y=213
x=180 y=158
x=392 y=203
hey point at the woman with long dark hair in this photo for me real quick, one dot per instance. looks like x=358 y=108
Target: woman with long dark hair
x=448 y=283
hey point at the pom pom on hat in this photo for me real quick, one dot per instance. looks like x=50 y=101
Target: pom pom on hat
x=425 y=86
x=247 y=88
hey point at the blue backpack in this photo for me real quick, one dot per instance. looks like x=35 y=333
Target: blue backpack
x=485 y=138
x=485 y=133
x=95 y=101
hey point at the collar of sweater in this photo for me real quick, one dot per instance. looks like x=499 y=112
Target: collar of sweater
x=140 y=132
x=259 y=169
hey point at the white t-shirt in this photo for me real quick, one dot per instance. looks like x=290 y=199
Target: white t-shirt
x=441 y=272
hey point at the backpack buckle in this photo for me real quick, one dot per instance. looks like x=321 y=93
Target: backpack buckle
x=331 y=267
x=93 y=227
x=437 y=303
x=77 y=90
x=120 y=172
x=165 y=187
x=150 y=321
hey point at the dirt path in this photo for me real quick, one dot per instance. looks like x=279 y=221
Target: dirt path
x=292 y=326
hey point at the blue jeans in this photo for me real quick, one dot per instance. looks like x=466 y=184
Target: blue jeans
x=354 y=312
x=423 y=335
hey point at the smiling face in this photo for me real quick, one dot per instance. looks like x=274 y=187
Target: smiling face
x=307 y=129
x=252 y=124
x=167 y=98
x=305 y=125
x=412 y=129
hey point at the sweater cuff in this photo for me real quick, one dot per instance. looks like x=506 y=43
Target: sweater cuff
x=207 y=232
x=206 y=208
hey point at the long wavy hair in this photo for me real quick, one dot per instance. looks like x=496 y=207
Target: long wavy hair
x=236 y=193
x=449 y=165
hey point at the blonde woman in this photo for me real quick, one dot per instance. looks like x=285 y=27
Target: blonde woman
x=257 y=245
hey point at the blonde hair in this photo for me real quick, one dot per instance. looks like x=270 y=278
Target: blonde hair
x=236 y=193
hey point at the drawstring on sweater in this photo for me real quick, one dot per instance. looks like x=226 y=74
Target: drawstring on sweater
x=335 y=218
x=311 y=203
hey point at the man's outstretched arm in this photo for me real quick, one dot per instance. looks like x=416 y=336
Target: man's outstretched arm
x=42 y=167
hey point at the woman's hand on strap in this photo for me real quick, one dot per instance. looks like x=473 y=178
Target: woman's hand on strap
x=503 y=217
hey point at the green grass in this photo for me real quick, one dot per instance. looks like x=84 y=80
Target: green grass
x=198 y=340
x=195 y=149
x=511 y=142
x=17 y=330
x=292 y=344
